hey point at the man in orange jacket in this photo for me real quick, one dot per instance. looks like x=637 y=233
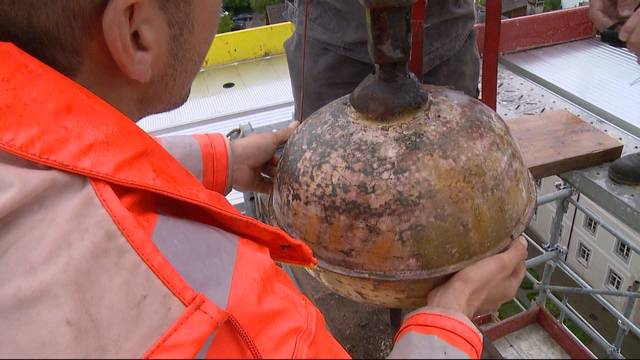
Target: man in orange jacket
x=114 y=244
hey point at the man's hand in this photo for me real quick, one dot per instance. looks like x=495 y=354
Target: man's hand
x=253 y=162
x=605 y=13
x=630 y=33
x=482 y=287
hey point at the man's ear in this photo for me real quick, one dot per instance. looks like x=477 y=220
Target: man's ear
x=136 y=33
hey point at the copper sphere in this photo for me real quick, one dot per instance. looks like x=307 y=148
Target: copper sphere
x=392 y=208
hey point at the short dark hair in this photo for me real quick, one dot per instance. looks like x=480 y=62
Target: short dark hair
x=55 y=31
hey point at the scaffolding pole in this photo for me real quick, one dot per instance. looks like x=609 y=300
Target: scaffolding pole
x=575 y=290
x=571 y=313
x=623 y=330
x=623 y=238
x=562 y=206
x=601 y=300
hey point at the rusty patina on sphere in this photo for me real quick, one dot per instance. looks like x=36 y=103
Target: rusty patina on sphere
x=392 y=208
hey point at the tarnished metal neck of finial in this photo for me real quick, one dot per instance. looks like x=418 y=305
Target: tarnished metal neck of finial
x=392 y=89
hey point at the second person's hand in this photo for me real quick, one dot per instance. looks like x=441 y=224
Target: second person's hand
x=604 y=13
x=630 y=33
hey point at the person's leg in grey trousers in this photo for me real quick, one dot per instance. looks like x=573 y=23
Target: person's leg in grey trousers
x=330 y=75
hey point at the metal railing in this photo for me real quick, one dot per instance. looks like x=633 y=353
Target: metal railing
x=553 y=255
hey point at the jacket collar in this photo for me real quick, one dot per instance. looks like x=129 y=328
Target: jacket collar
x=49 y=119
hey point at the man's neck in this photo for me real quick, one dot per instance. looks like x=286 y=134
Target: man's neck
x=113 y=92
x=100 y=75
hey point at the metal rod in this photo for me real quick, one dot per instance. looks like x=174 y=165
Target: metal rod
x=549 y=267
x=556 y=231
x=304 y=59
x=575 y=290
x=628 y=309
x=541 y=259
x=534 y=244
x=602 y=301
x=493 y=22
x=392 y=86
x=584 y=323
x=417 y=38
x=606 y=226
x=572 y=314
x=560 y=194
x=535 y=283
x=558 y=218
x=531 y=278
x=563 y=312
x=517 y=302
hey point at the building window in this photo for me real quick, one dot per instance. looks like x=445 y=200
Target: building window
x=623 y=250
x=614 y=280
x=584 y=255
x=590 y=224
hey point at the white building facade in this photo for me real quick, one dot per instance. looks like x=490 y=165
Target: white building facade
x=592 y=252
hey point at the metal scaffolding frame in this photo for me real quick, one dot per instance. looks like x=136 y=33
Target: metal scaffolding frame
x=553 y=258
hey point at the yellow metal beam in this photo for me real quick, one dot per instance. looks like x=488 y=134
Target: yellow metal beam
x=248 y=44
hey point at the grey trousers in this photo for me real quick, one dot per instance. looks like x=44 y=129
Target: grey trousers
x=330 y=75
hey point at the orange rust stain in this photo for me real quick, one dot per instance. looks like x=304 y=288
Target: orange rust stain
x=312 y=229
x=335 y=242
x=381 y=248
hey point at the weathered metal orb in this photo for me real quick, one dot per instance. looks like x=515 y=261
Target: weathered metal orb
x=391 y=209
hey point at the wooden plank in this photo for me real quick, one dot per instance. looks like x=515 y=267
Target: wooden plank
x=558 y=141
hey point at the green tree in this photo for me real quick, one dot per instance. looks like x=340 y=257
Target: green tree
x=237 y=6
x=259 y=6
x=225 y=24
x=550 y=5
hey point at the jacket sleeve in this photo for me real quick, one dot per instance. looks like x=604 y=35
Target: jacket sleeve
x=317 y=342
x=206 y=156
x=437 y=333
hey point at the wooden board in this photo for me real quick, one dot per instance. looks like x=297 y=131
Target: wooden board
x=558 y=141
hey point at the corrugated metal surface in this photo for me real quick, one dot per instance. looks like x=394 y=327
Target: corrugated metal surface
x=589 y=73
x=264 y=119
x=258 y=86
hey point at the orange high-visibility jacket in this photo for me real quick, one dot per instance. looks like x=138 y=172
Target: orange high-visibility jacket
x=112 y=245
